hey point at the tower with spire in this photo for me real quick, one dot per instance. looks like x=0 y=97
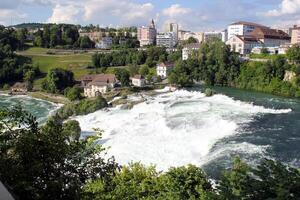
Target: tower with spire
x=147 y=34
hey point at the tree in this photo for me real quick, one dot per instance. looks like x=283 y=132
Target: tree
x=269 y=180
x=133 y=70
x=85 y=42
x=144 y=70
x=293 y=54
x=191 y=40
x=264 y=51
x=57 y=80
x=123 y=76
x=73 y=93
x=181 y=74
x=49 y=161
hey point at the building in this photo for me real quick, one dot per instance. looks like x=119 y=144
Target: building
x=163 y=69
x=173 y=27
x=95 y=36
x=97 y=84
x=208 y=36
x=198 y=36
x=138 y=81
x=4 y=193
x=224 y=35
x=166 y=39
x=295 y=35
x=19 y=87
x=190 y=49
x=147 y=34
x=259 y=37
x=242 y=28
x=181 y=34
x=104 y=43
x=270 y=37
x=243 y=44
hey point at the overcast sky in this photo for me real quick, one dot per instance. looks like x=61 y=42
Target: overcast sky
x=195 y=15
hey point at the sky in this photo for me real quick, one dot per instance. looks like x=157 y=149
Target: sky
x=194 y=15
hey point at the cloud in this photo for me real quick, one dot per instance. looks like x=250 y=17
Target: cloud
x=65 y=14
x=117 y=12
x=287 y=7
x=176 y=10
x=10 y=15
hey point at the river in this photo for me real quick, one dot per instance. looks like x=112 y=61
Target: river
x=174 y=129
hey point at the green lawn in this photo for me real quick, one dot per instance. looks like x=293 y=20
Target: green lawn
x=77 y=63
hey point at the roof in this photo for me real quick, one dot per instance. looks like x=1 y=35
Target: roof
x=110 y=78
x=248 y=39
x=166 y=64
x=262 y=33
x=97 y=83
x=20 y=85
x=247 y=24
x=138 y=77
x=192 y=46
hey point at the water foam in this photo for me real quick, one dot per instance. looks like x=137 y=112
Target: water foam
x=173 y=129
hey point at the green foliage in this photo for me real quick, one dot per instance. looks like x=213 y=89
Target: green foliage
x=181 y=74
x=123 y=76
x=129 y=56
x=50 y=161
x=73 y=93
x=54 y=35
x=139 y=182
x=216 y=65
x=266 y=77
x=133 y=70
x=6 y=86
x=57 y=80
x=293 y=54
x=144 y=70
x=270 y=180
x=209 y=92
x=12 y=66
x=82 y=107
x=85 y=42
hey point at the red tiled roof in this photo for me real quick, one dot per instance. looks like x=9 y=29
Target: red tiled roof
x=262 y=33
x=99 y=77
x=247 y=23
x=166 y=64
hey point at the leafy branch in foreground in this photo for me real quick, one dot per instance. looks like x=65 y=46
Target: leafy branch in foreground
x=49 y=162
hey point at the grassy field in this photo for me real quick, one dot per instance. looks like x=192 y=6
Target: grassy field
x=77 y=63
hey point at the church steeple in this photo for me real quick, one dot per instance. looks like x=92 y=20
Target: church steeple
x=152 y=25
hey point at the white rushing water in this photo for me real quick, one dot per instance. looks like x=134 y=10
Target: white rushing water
x=174 y=129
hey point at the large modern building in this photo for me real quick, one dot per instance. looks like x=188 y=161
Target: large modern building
x=167 y=40
x=271 y=37
x=242 y=28
x=147 y=34
x=260 y=37
x=295 y=35
x=198 y=36
x=208 y=36
x=173 y=27
x=243 y=44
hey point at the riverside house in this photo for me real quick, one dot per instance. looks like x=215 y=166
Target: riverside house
x=163 y=69
x=138 y=81
x=96 y=84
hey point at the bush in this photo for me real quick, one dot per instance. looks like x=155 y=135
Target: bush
x=73 y=93
x=209 y=92
x=6 y=87
x=82 y=107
